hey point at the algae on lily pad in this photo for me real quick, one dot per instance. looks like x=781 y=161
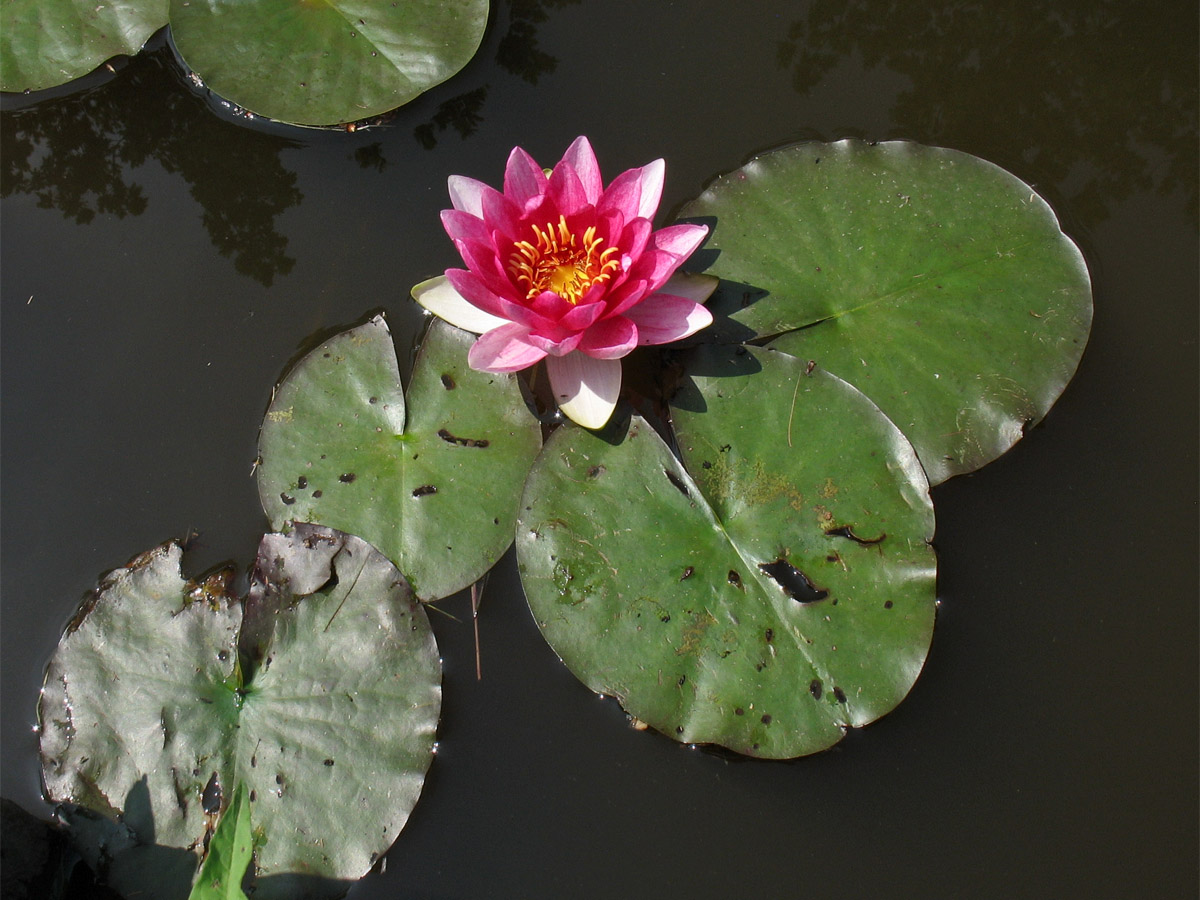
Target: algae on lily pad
x=320 y=692
x=325 y=63
x=432 y=479
x=937 y=283
x=772 y=591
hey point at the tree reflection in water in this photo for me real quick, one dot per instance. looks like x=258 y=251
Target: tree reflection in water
x=77 y=154
x=1057 y=64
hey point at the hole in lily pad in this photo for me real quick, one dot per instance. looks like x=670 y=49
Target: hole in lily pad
x=794 y=583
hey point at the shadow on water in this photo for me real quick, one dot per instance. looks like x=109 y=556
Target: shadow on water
x=78 y=153
x=1057 y=65
x=122 y=854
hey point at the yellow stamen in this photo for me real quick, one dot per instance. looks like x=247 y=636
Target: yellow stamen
x=554 y=261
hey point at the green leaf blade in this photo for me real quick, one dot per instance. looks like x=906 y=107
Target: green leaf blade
x=229 y=853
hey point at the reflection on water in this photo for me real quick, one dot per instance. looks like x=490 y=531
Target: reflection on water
x=1058 y=65
x=460 y=112
x=77 y=154
x=518 y=52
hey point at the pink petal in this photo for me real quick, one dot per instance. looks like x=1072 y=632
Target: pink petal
x=697 y=288
x=462 y=226
x=629 y=292
x=662 y=318
x=611 y=338
x=584 y=313
x=584 y=387
x=476 y=293
x=560 y=346
x=582 y=159
x=465 y=193
x=524 y=179
x=481 y=259
x=504 y=349
x=634 y=238
x=652 y=177
x=565 y=191
x=679 y=240
x=550 y=305
x=439 y=297
x=501 y=214
x=622 y=196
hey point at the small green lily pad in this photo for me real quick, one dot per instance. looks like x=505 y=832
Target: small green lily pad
x=433 y=481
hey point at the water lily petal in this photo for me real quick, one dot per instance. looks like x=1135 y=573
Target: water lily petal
x=524 y=179
x=611 y=338
x=566 y=191
x=550 y=305
x=695 y=287
x=504 y=349
x=502 y=215
x=462 y=226
x=482 y=260
x=582 y=159
x=560 y=346
x=651 y=178
x=680 y=240
x=634 y=238
x=584 y=387
x=585 y=312
x=628 y=293
x=465 y=193
x=662 y=318
x=476 y=293
x=622 y=196
x=439 y=297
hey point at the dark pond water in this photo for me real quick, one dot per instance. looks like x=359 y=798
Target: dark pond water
x=161 y=266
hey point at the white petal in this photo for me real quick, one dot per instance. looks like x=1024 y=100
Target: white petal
x=466 y=194
x=439 y=297
x=585 y=388
x=697 y=288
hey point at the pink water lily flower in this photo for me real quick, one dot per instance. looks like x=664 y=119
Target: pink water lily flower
x=563 y=269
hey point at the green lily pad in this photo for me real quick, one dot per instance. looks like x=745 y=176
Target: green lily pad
x=436 y=488
x=229 y=853
x=325 y=63
x=44 y=43
x=782 y=595
x=321 y=693
x=938 y=284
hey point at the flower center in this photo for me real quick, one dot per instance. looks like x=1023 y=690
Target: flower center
x=556 y=261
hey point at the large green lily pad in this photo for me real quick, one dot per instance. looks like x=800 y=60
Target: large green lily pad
x=44 y=43
x=777 y=591
x=435 y=487
x=320 y=693
x=938 y=284
x=328 y=62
